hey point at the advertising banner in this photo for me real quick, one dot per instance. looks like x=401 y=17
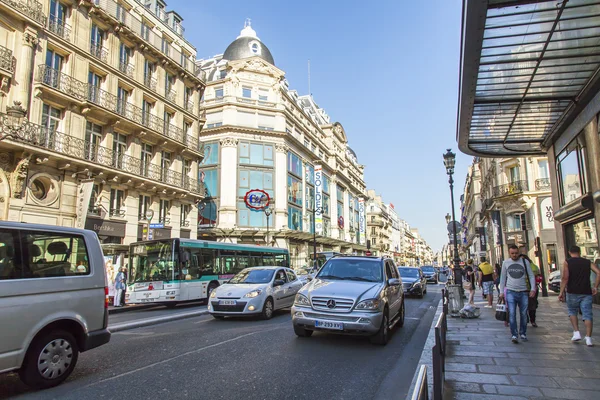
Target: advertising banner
x=497 y=225
x=319 y=199
x=547 y=213
x=361 y=221
x=482 y=238
x=84 y=193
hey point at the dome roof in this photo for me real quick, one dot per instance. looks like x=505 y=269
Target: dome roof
x=248 y=45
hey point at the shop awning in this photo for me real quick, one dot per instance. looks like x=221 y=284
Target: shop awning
x=528 y=68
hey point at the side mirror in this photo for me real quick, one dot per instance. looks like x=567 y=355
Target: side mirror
x=278 y=282
x=394 y=282
x=309 y=277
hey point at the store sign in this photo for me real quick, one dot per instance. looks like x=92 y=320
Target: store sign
x=482 y=238
x=516 y=238
x=84 y=194
x=319 y=199
x=497 y=227
x=547 y=213
x=106 y=228
x=257 y=199
x=361 y=220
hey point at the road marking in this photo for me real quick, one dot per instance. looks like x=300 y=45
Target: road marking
x=413 y=318
x=206 y=320
x=187 y=353
x=134 y=333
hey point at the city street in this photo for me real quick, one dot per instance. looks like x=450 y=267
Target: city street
x=202 y=358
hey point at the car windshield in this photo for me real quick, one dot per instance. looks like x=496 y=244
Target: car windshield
x=352 y=270
x=253 y=275
x=428 y=269
x=409 y=272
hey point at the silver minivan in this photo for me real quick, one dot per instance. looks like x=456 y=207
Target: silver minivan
x=53 y=300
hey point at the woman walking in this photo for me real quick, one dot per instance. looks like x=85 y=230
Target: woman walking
x=469 y=283
x=533 y=302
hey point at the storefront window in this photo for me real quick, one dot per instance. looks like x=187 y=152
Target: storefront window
x=294 y=164
x=211 y=154
x=584 y=235
x=294 y=218
x=256 y=154
x=294 y=190
x=571 y=172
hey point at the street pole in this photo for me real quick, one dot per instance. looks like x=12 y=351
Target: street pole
x=538 y=250
x=314 y=226
x=267 y=214
x=456 y=257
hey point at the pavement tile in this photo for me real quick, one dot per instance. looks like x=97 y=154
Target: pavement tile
x=497 y=369
x=517 y=362
x=533 y=356
x=458 y=367
x=477 y=396
x=578 y=383
x=589 y=373
x=571 y=394
x=518 y=390
x=467 y=353
x=477 y=378
x=470 y=360
x=464 y=387
x=491 y=389
x=549 y=371
x=533 y=381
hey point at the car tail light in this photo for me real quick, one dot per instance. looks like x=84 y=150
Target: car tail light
x=106 y=300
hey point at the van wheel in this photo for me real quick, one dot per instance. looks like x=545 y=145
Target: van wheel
x=382 y=335
x=402 y=314
x=50 y=360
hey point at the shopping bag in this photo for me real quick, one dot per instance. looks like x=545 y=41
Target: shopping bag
x=501 y=311
x=466 y=285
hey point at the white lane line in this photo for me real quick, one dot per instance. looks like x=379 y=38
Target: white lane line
x=187 y=353
x=205 y=320
x=134 y=333
x=412 y=318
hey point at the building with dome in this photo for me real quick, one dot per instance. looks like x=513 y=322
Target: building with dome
x=260 y=134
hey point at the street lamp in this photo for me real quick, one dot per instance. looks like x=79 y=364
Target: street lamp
x=449 y=161
x=268 y=213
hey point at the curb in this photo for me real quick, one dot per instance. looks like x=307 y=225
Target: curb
x=124 y=309
x=153 y=321
x=426 y=356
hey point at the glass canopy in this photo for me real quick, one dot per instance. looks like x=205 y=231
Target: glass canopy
x=526 y=67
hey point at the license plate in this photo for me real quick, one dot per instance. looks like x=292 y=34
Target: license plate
x=227 y=302
x=329 y=325
x=146 y=300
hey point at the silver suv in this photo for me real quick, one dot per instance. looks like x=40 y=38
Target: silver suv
x=351 y=295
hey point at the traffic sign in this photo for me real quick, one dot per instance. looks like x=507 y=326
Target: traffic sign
x=451 y=226
x=150 y=235
x=157 y=226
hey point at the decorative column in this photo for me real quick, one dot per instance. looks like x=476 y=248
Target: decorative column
x=305 y=219
x=333 y=209
x=228 y=183
x=592 y=148
x=347 y=216
x=281 y=214
x=25 y=65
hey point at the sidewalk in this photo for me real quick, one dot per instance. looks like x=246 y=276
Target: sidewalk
x=482 y=363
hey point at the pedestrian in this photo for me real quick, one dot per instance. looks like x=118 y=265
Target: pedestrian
x=533 y=302
x=458 y=279
x=575 y=281
x=469 y=283
x=497 y=270
x=119 y=287
x=122 y=302
x=513 y=277
x=487 y=281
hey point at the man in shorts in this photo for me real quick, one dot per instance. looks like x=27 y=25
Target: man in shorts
x=575 y=280
x=487 y=281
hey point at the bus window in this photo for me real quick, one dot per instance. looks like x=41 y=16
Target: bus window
x=268 y=259
x=209 y=265
x=281 y=260
x=255 y=261
x=243 y=260
x=191 y=269
x=228 y=263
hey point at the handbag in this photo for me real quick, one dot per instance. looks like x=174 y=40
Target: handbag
x=501 y=310
x=466 y=285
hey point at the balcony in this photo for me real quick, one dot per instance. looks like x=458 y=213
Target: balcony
x=126 y=68
x=7 y=61
x=79 y=149
x=98 y=51
x=171 y=96
x=508 y=189
x=87 y=92
x=150 y=82
x=189 y=106
x=59 y=28
x=542 y=184
x=30 y=8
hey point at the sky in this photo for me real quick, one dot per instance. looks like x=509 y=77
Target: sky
x=387 y=71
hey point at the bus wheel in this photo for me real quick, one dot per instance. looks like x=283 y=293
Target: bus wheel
x=171 y=305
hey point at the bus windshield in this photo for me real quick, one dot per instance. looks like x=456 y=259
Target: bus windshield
x=152 y=261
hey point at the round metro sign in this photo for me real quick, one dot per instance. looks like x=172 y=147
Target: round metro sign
x=257 y=199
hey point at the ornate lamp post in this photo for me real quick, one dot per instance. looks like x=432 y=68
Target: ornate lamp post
x=449 y=161
x=268 y=213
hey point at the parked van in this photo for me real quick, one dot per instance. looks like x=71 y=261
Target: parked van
x=53 y=300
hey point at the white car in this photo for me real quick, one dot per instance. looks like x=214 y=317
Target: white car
x=255 y=291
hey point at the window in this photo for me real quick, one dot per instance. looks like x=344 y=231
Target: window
x=146 y=158
x=247 y=92
x=294 y=190
x=372 y=218
x=121 y=13
x=251 y=179
x=373 y=231
x=54 y=62
x=263 y=95
x=571 y=172
x=125 y=55
x=256 y=154
x=58 y=15
x=184 y=216
x=119 y=149
x=211 y=154
x=169 y=83
x=219 y=93
x=145 y=31
x=116 y=203
x=149 y=71
x=255 y=49
x=294 y=164
x=165 y=161
x=96 y=42
x=543 y=169
x=222 y=74
x=306 y=143
x=294 y=218
x=164 y=211
x=310 y=174
x=144 y=204
x=210 y=178
x=30 y=255
x=122 y=99
x=188 y=96
x=513 y=222
x=165 y=46
x=94 y=199
x=94 y=81
x=93 y=138
x=51 y=118
x=326 y=204
x=146 y=112
x=513 y=174
x=186 y=167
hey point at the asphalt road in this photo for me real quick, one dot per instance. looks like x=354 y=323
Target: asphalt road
x=202 y=358
x=154 y=312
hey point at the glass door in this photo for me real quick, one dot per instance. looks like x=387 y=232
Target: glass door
x=51 y=118
x=93 y=139
x=119 y=149
x=54 y=64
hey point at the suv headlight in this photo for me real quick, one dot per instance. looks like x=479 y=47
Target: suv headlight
x=301 y=300
x=253 y=293
x=370 y=304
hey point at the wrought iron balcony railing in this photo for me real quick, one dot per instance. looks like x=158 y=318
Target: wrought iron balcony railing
x=84 y=91
x=542 y=184
x=7 y=61
x=192 y=142
x=31 y=8
x=126 y=68
x=172 y=96
x=98 y=51
x=76 y=148
x=150 y=82
x=189 y=106
x=164 y=220
x=117 y=213
x=59 y=27
x=508 y=189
